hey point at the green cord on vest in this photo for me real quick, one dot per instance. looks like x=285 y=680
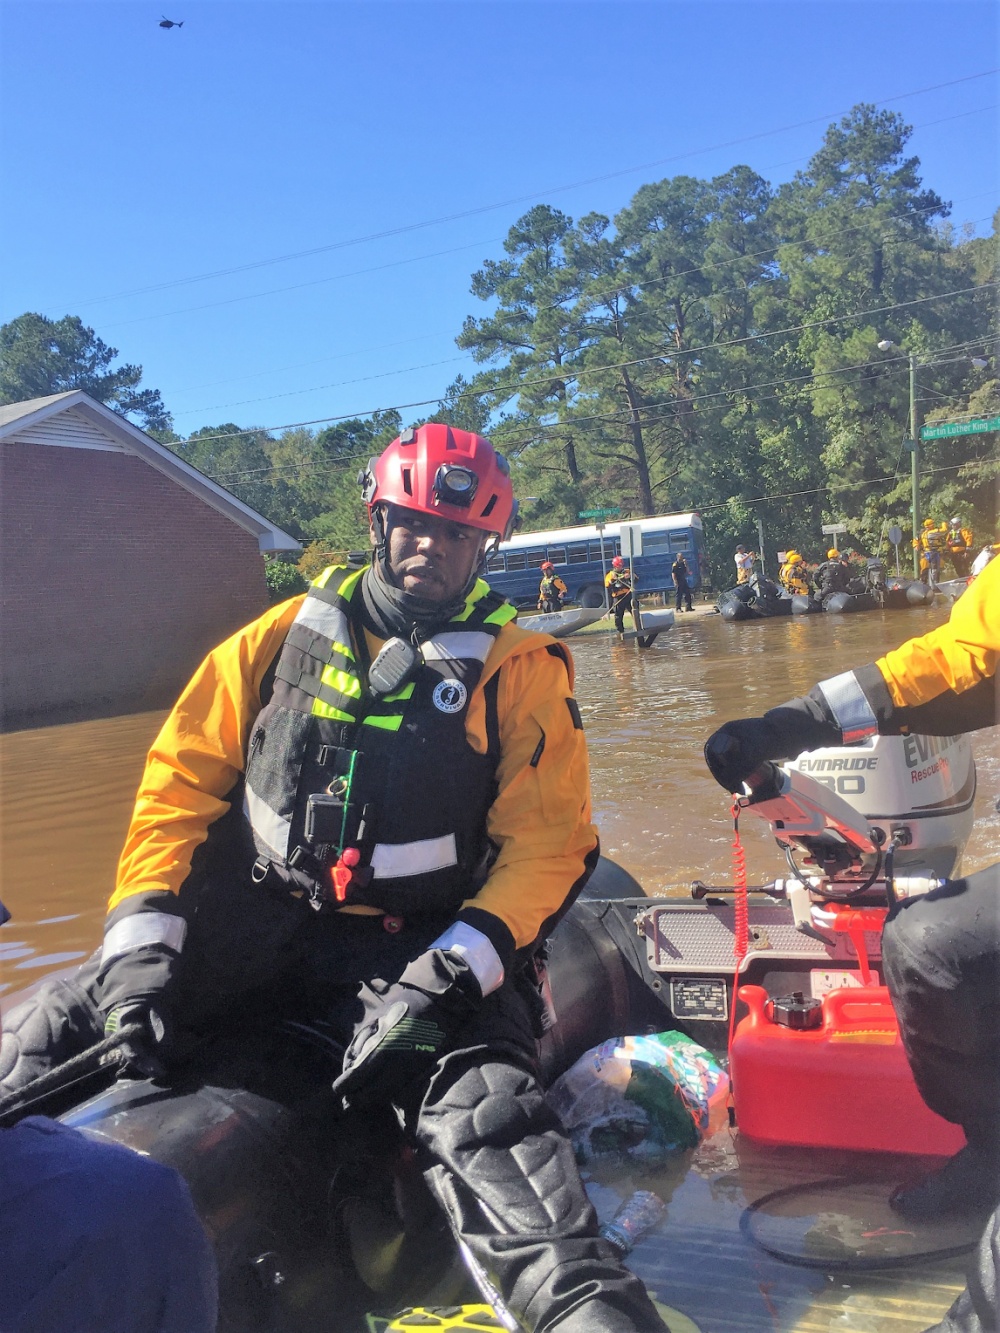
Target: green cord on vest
x=348 y=781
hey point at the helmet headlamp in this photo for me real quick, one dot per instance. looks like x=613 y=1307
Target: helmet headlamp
x=455 y=485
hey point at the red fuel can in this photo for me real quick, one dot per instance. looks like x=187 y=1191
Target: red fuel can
x=842 y=1084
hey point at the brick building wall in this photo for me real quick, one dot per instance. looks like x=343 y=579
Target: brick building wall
x=114 y=583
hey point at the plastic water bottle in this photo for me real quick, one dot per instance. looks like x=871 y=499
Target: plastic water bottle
x=637 y=1215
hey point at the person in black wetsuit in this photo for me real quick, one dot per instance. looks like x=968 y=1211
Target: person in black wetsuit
x=682 y=581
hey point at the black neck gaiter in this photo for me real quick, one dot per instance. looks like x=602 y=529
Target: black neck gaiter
x=390 y=612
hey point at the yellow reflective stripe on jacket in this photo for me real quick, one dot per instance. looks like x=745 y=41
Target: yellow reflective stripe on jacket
x=479 y=590
x=503 y=615
x=405 y=692
x=342 y=681
x=385 y=723
x=321 y=709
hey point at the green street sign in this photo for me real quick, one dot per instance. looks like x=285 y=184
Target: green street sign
x=948 y=428
x=598 y=513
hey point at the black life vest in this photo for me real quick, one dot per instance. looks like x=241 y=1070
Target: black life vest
x=406 y=796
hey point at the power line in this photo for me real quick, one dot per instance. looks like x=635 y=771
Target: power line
x=340 y=384
x=319 y=468
x=519 y=199
x=592 y=300
x=509 y=390
x=298 y=286
x=818 y=490
x=291 y=393
x=436 y=254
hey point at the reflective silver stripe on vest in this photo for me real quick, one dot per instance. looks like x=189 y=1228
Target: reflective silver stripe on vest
x=266 y=823
x=395 y=860
x=853 y=713
x=142 y=929
x=325 y=619
x=458 y=645
x=477 y=951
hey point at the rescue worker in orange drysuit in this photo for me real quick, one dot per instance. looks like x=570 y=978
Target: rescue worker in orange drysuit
x=388 y=779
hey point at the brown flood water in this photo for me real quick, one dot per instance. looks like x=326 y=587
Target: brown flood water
x=66 y=792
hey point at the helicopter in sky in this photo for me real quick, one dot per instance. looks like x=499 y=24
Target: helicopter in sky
x=170 y=23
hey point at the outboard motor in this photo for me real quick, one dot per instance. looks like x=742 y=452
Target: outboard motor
x=875 y=578
x=915 y=790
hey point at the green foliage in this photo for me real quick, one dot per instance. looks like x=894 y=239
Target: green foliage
x=40 y=356
x=715 y=348
x=283 y=580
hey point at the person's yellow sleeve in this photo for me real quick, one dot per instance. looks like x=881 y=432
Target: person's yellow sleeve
x=956 y=655
x=540 y=820
x=197 y=758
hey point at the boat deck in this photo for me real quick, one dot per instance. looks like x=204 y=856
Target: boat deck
x=700 y=1263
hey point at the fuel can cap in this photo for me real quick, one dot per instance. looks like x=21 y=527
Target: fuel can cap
x=795 y=1011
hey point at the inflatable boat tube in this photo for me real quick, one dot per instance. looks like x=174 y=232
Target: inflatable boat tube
x=901 y=593
x=839 y=603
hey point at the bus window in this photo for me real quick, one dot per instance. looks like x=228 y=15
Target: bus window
x=577 y=554
x=655 y=541
x=557 y=554
x=595 y=551
x=516 y=560
x=679 y=541
x=536 y=558
x=495 y=563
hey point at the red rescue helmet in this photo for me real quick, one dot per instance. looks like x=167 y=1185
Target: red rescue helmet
x=547 y=564
x=438 y=469
x=618 y=563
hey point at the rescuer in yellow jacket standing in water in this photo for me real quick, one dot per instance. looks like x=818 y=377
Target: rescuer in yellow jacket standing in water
x=941 y=951
x=368 y=809
x=552 y=591
x=618 y=582
x=958 y=542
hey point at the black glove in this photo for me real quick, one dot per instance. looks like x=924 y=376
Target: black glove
x=142 y=1054
x=406 y=1026
x=738 y=749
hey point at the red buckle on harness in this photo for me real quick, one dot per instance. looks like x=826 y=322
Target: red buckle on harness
x=342 y=872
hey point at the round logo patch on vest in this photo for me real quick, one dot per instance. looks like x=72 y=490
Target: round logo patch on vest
x=450 y=696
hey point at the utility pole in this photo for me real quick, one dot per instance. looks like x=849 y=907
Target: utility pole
x=884 y=345
x=915 y=463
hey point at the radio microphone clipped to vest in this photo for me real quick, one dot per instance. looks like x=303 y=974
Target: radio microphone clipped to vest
x=393 y=667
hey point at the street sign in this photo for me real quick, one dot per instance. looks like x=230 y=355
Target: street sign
x=832 y=529
x=598 y=513
x=981 y=426
x=895 y=534
x=630 y=535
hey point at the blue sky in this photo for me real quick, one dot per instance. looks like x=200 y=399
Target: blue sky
x=138 y=160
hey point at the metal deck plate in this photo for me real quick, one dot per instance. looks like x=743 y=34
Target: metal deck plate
x=701 y=939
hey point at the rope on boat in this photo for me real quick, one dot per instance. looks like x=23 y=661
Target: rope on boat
x=68 y=1073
